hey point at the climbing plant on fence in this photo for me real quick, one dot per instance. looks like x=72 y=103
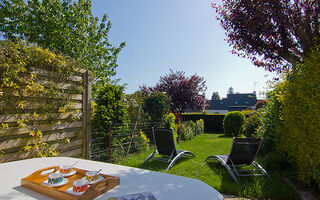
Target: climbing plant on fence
x=45 y=104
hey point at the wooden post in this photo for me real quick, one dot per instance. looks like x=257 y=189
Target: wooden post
x=86 y=113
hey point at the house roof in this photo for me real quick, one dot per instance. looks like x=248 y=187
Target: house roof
x=238 y=100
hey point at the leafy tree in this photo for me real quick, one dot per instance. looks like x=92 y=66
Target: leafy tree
x=230 y=90
x=63 y=27
x=273 y=34
x=215 y=96
x=184 y=92
x=135 y=103
x=110 y=107
x=157 y=105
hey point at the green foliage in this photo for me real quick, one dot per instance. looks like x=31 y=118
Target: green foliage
x=271 y=119
x=21 y=87
x=233 y=123
x=212 y=122
x=135 y=104
x=63 y=27
x=170 y=122
x=156 y=105
x=199 y=126
x=142 y=141
x=251 y=124
x=189 y=130
x=300 y=135
x=111 y=107
x=259 y=104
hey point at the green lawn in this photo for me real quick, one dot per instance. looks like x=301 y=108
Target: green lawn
x=215 y=174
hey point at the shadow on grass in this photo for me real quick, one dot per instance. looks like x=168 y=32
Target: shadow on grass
x=155 y=165
x=225 y=136
x=253 y=186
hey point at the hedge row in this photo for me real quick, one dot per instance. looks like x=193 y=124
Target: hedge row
x=212 y=123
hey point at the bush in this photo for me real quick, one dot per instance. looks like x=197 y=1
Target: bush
x=212 y=122
x=110 y=107
x=259 y=104
x=251 y=124
x=300 y=136
x=199 y=126
x=156 y=105
x=271 y=119
x=170 y=123
x=189 y=129
x=233 y=123
x=142 y=141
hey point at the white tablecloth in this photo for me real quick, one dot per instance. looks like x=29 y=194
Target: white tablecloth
x=132 y=180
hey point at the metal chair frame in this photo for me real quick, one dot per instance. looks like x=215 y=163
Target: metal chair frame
x=173 y=157
x=233 y=168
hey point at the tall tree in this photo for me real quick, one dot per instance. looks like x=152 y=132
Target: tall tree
x=156 y=105
x=230 y=90
x=215 y=96
x=63 y=27
x=184 y=92
x=273 y=34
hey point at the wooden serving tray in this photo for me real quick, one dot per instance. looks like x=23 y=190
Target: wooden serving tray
x=35 y=180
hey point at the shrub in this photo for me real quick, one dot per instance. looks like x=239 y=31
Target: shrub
x=170 y=123
x=142 y=141
x=271 y=119
x=110 y=107
x=199 y=126
x=300 y=136
x=156 y=105
x=259 y=104
x=233 y=123
x=251 y=124
x=189 y=128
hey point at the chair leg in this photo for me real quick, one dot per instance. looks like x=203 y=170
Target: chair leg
x=149 y=157
x=174 y=160
x=177 y=157
x=225 y=165
x=254 y=163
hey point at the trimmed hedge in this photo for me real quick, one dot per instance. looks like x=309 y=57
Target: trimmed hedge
x=212 y=122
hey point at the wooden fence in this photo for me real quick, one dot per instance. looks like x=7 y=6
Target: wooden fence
x=72 y=126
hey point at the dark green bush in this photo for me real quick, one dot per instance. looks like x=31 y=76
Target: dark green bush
x=156 y=105
x=212 y=122
x=233 y=123
x=251 y=124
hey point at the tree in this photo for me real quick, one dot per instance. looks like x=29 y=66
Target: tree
x=157 y=105
x=135 y=103
x=215 y=96
x=230 y=90
x=63 y=27
x=184 y=92
x=273 y=34
x=111 y=108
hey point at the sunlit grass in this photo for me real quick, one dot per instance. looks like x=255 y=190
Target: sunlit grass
x=215 y=174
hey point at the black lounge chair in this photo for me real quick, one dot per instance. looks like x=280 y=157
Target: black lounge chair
x=165 y=147
x=243 y=152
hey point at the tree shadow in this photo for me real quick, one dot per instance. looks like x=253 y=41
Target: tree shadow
x=156 y=165
x=225 y=136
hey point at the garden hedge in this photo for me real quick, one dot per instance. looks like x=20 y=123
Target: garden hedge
x=212 y=122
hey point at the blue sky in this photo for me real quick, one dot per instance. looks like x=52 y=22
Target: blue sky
x=175 y=34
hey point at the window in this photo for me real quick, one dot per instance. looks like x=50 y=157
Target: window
x=236 y=102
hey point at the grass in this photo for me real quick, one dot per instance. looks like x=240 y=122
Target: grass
x=215 y=174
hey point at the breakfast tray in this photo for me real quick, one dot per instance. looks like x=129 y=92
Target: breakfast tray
x=35 y=180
